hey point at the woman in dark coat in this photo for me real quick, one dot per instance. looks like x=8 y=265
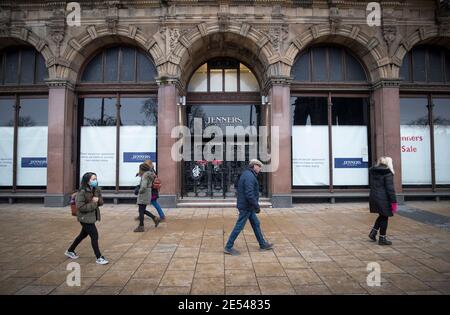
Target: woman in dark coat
x=382 y=199
x=89 y=199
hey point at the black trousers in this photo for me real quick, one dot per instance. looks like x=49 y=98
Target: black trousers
x=381 y=223
x=142 y=211
x=91 y=230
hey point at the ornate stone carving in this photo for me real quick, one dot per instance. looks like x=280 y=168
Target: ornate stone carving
x=57 y=28
x=111 y=22
x=5 y=27
x=5 y=20
x=335 y=19
x=389 y=34
x=443 y=17
x=223 y=17
x=390 y=30
x=277 y=33
x=112 y=19
x=172 y=34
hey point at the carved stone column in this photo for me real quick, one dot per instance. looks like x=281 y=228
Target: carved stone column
x=167 y=120
x=386 y=99
x=60 y=157
x=280 y=178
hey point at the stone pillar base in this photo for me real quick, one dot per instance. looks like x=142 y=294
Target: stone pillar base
x=56 y=200
x=282 y=201
x=167 y=201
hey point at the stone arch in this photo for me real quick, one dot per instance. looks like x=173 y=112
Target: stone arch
x=420 y=36
x=368 y=49
x=81 y=47
x=207 y=40
x=24 y=36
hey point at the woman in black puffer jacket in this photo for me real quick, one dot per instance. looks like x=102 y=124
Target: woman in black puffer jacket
x=382 y=199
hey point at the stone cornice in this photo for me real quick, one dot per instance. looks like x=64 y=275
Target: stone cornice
x=60 y=83
x=386 y=83
x=167 y=80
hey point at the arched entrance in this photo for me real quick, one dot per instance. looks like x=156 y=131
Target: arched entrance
x=223 y=112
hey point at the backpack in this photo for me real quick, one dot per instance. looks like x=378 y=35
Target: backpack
x=73 y=204
x=156 y=183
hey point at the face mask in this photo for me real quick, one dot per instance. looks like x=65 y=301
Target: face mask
x=93 y=183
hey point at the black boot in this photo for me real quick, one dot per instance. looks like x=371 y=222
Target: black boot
x=383 y=240
x=156 y=220
x=373 y=235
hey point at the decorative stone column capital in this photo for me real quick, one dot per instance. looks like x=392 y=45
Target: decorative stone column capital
x=277 y=80
x=167 y=80
x=60 y=83
x=386 y=83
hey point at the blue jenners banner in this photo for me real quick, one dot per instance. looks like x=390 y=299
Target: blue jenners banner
x=138 y=157
x=350 y=163
x=34 y=162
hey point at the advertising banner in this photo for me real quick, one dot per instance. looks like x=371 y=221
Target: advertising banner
x=310 y=165
x=6 y=155
x=350 y=156
x=98 y=153
x=137 y=144
x=415 y=153
x=32 y=156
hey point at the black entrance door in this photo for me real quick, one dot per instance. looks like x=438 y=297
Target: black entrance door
x=215 y=177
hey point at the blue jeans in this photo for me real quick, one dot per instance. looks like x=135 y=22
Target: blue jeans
x=158 y=208
x=245 y=215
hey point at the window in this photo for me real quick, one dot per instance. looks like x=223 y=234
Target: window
x=136 y=129
x=426 y=64
x=22 y=66
x=415 y=141
x=418 y=146
x=223 y=75
x=311 y=153
x=6 y=141
x=119 y=64
x=441 y=121
x=327 y=64
x=32 y=131
x=350 y=121
x=23 y=119
x=32 y=142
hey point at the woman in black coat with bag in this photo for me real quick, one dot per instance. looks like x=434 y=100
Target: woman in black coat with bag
x=382 y=199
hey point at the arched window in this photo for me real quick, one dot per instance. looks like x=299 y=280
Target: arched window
x=117 y=115
x=330 y=120
x=425 y=117
x=22 y=66
x=426 y=64
x=23 y=119
x=327 y=64
x=223 y=75
x=121 y=64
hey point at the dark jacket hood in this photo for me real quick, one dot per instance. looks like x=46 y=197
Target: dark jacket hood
x=380 y=170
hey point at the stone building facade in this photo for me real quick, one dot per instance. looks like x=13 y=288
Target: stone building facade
x=181 y=35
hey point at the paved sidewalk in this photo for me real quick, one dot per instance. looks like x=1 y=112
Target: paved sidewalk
x=319 y=249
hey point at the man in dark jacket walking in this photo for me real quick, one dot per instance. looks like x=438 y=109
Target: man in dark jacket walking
x=248 y=206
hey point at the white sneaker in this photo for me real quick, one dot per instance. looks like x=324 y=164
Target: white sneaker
x=72 y=255
x=102 y=261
